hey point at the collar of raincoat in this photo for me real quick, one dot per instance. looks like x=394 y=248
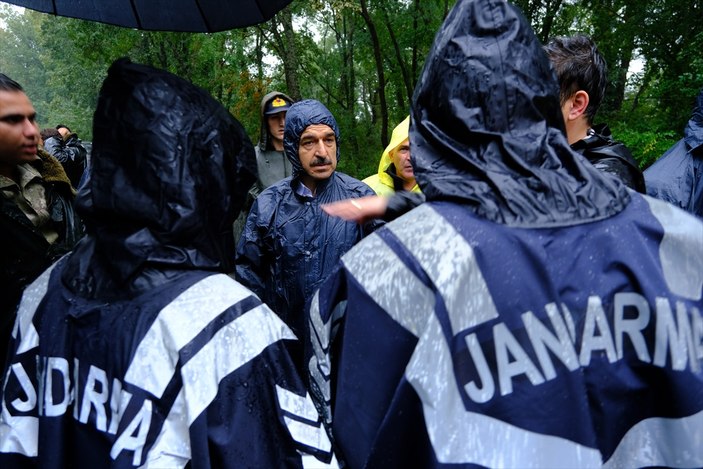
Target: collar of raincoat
x=301 y=115
x=169 y=173
x=693 y=134
x=487 y=129
x=400 y=133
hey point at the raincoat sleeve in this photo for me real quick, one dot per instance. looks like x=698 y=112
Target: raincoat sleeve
x=362 y=392
x=401 y=203
x=252 y=258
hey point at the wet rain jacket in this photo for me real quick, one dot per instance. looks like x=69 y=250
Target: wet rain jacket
x=289 y=245
x=533 y=312
x=136 y=350
x=610 y=156
x=385 y=181
x=677 y=176
x=24 y=251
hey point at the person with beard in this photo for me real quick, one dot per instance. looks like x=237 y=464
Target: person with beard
x=289 y=246
x=534 y=311
x=138 y=349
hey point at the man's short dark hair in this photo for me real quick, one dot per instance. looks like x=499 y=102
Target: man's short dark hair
x=8 y=84
x=46 y=133
x=579 y=66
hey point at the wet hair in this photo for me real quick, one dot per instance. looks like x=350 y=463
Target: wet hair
x=579 y=66
x=61 y=126
x=8 y=84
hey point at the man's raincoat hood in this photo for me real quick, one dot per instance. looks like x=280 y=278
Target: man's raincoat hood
x=169 y=173
x=399 y=135
x=264 y=136
x=487 y=128
x=300 y=116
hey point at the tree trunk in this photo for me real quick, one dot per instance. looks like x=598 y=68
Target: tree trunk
x=379 y=70
x=398 y=55
x=290 y=57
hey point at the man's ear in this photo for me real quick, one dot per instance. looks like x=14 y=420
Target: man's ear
x=579 y=102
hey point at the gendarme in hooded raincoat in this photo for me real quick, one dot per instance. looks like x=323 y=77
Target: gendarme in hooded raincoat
x=289 y=245
x=136 y=350
x=677 y=176
x=534 y=312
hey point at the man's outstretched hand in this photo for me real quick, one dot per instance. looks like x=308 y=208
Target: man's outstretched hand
x=360 y=210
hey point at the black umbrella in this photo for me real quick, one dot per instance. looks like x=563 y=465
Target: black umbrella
x=163 y=15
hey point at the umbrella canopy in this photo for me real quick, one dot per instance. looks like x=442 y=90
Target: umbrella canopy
x=164 y=15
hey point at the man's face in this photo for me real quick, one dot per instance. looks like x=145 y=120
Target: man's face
x=401 y=159
x=318 y=153
x=276 y=124
x=19 y=133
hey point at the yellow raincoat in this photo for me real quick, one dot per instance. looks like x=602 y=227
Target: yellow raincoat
x=382 y=182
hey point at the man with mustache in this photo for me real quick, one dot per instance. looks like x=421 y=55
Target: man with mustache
x=289 y=245
x=37 y=221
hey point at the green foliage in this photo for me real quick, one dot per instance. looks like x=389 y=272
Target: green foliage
x=646 y=145
x=324 y=50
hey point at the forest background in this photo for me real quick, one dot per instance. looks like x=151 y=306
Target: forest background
x=362 y=59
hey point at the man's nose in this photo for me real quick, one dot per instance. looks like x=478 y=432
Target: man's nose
x=321 y=148
x=31 y=129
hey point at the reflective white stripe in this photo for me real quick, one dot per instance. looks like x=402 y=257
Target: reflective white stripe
x=321 y=333
x=32 y=296
x=18 y=434
x=661 y=442
x=155 y=359
x=294 y=404
x=459 y=436
x=372 y=264
x=319 y=365
x=681 y=249
x=311 y=462
x=310 y=434
x=231 y=347
x=450 y=262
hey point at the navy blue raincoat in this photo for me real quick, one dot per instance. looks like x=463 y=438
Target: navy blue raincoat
x=533 y=312
x=289 y=245
x=137 y=350
x=677 y=176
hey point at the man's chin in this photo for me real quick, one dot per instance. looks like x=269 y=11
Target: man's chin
x=322 y=173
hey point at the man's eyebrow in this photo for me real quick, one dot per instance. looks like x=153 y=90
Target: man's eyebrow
x=17 y=116
x=314 y=136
